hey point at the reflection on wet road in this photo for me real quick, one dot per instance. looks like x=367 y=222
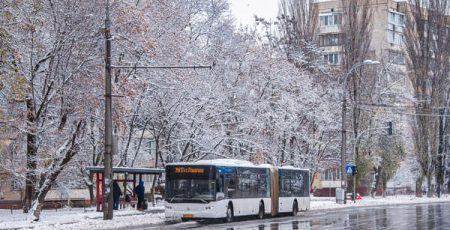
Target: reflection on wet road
x=408 y=217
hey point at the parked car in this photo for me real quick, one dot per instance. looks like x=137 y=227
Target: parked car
x=349 y=196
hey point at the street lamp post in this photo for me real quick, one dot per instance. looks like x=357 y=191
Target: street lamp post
x=344 y=126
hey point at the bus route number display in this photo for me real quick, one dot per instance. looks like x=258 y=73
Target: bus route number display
x=189 y=170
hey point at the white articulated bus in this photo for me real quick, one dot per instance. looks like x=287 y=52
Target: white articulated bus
x=227 y=188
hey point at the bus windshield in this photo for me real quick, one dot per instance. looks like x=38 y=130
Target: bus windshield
x=190 y=190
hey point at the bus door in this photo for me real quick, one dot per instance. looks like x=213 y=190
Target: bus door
x=227 y=180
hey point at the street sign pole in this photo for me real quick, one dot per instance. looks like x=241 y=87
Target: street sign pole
x=354 y=187
x=352 y=170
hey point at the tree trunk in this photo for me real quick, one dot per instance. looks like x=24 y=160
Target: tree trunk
x=91 y=189
x=69 y=150
x=31 y=155
x=419 y=183
x=152 y=191
x=95 y=160
x=378 y=180
x=283 y=149
x=430 y=189
x=440 y=159
x=291 y=148
x=39 y=202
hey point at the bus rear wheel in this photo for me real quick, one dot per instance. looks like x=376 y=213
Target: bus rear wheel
x=229 y=217
x=261 y=211
x=295 y=209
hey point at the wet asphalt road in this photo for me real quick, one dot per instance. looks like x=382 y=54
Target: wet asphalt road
x=408 y=217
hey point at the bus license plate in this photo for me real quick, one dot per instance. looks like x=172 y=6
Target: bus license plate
x=188 y=216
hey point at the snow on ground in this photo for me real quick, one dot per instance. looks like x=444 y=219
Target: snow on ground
x=321 y=203
x=79 y=218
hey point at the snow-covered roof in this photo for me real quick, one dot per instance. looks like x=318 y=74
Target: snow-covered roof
x=223 y=162
x=291 y=167
x=233 y=163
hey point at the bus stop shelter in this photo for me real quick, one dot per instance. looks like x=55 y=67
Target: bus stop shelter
x=134 y=173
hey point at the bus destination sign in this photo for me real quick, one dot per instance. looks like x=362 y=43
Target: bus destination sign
x=189 y=170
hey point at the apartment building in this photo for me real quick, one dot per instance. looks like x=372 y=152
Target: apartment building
x=387 y=46
x=326 y=181
x=388 y=23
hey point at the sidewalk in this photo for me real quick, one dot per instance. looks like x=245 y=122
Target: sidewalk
x=323 y=203
x=79 y=218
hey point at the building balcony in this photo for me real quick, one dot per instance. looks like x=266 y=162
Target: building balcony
x=330 y=29
x=331 y=183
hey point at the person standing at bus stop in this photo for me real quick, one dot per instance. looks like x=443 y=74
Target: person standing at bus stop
x=116 y=195
x=139 y=190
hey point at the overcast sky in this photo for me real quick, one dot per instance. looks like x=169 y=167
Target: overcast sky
x=244 y=10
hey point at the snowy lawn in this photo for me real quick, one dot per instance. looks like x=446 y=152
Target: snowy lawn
x=79 y=218
x=320 y=203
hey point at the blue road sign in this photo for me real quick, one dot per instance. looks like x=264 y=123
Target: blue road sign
x=349 y=169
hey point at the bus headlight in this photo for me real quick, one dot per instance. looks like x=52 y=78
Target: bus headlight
x=168 y=207
x=208 y=207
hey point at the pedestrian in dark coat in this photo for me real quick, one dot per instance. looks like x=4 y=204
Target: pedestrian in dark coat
x=116 y=195
x=139 y=190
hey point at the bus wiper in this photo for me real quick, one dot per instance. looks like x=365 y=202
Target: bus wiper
x=175 y=197
x=200 y=199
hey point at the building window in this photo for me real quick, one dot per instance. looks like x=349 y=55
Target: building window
x=394 y=37
x=396 y=18
x=331 y=175
x=332 y=58
x=396 y=24
x=330 y=40
x=397 y=58
x=16 y=183
x=330 y=19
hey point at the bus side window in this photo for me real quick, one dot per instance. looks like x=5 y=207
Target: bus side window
x=231 y=187
x=220 y=187
x=220 y=184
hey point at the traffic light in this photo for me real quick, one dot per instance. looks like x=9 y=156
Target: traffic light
x=355 y=169
x=389 y=128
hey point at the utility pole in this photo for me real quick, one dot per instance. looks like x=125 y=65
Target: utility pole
x=440 y=158
x=343 y=145
x=344 y=124
x=107 y=160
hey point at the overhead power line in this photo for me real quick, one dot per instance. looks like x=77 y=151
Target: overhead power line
x=164 y=67
x=406 y=113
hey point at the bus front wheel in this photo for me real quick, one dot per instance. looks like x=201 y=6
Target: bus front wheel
x=229 y=217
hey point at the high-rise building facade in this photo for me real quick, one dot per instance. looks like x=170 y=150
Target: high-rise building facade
x=387 y=45
x=387 y=25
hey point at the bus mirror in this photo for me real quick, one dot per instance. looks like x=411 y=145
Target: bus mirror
x=220 y=196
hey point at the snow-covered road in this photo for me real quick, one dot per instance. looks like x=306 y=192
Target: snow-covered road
x=79 y=218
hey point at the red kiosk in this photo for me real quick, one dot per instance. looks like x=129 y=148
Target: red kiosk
x=126 y=171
